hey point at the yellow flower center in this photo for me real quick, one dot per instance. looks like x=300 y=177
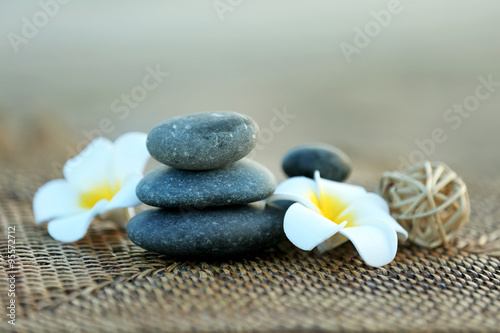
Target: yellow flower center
x=96 y=194
x=332 y=207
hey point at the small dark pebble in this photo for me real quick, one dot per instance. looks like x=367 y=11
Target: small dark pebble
x=331 y=162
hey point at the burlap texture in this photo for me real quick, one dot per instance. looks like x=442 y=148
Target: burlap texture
x=105 y=283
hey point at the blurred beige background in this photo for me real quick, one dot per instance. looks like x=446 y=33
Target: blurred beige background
x=71 y=70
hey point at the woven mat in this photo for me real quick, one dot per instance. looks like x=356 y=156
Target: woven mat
x=106 y=283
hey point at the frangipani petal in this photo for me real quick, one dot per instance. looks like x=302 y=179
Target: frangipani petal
x=297 y=189
x=375 y=241
x=306 y=229
x=402 y=233
x=346 y=212
x=335 y=196
x=71 y=228
x=92 y=166
x=332 y=242
x=370 y=205
x=102 y=178
x=130 y=154
x=126 y=197
x=54 y=199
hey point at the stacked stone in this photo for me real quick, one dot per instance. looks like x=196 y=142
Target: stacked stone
x=209 y=195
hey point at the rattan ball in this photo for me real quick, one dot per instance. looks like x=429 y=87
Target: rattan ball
x=429 y=200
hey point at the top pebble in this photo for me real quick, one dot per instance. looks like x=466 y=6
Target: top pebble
x=203 y=141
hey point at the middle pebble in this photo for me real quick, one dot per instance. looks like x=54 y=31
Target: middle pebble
x=242 y=182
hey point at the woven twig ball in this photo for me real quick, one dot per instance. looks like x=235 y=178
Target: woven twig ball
x=429 y=200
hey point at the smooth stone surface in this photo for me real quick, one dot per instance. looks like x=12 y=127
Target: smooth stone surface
x=242 y=182
x=203 y=141
x=210 y=232
x=331 y=162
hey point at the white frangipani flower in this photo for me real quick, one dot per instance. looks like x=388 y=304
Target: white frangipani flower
x=102 y=178
x=328 y=213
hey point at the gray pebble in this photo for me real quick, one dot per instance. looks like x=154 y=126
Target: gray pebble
x=242 y=182
x=331 y=162
x=203 y=141
x=209 y=232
